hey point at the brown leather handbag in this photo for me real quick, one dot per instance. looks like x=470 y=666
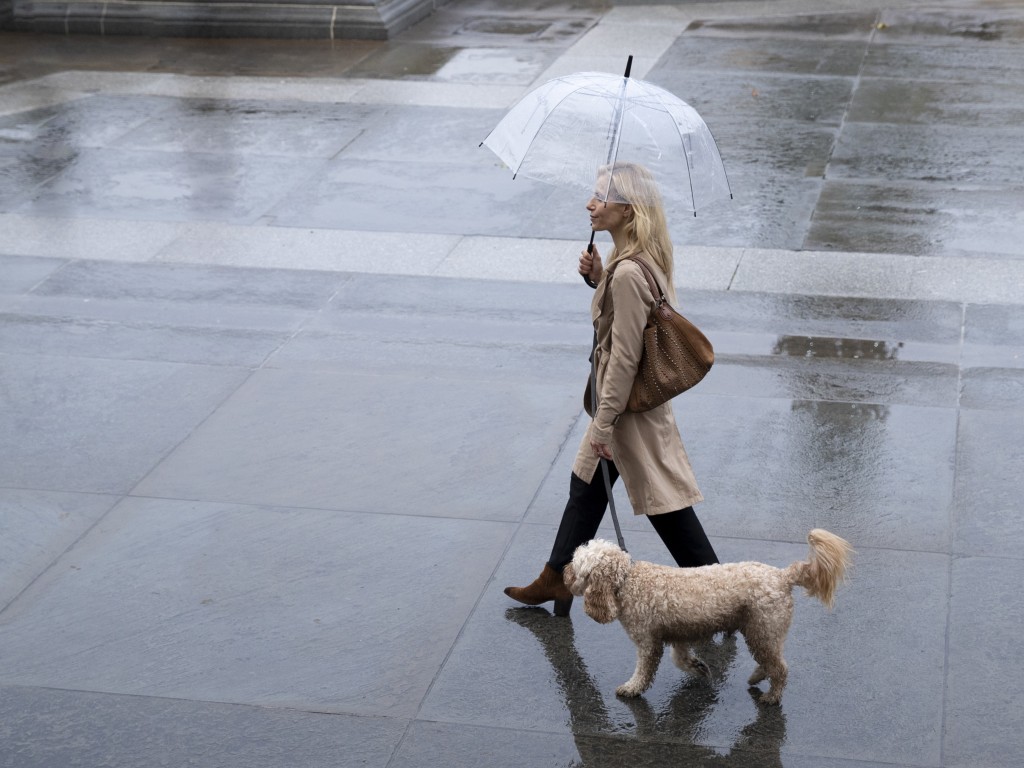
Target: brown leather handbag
x=676 y=354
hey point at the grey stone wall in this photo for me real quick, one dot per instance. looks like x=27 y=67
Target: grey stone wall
x=324 y=19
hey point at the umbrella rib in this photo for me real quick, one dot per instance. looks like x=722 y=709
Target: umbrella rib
x=686 y=158
x=533 y=138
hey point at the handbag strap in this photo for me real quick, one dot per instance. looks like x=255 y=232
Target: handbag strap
x=651 y=282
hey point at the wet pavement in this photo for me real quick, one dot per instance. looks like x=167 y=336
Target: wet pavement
x=291 y=374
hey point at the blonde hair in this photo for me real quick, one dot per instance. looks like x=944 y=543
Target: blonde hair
x=646 y=230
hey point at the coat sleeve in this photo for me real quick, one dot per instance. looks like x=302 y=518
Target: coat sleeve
x=631 y=299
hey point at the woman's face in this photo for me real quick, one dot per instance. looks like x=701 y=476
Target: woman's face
x=606 y=217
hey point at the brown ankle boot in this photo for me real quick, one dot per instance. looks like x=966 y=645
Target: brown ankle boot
x=548 y=586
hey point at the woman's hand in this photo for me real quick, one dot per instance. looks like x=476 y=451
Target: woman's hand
x=602 y=450
x=590 y=265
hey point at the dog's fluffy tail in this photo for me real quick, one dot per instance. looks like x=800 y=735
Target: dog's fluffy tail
x=825 y=569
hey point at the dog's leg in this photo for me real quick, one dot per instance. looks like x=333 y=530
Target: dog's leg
x=767 y=652
x=648 y=656
x=778 y=673
x=758 y=676
x=688 y=662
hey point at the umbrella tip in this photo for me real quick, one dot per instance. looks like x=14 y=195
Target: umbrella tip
x=629 y=65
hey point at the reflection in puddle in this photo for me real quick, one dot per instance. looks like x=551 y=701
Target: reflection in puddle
x=666 y=736
x=836 y=348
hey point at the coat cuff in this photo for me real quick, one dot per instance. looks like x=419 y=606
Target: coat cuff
x=602 y=435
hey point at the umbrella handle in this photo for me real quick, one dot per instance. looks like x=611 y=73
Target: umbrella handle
x=590 y=249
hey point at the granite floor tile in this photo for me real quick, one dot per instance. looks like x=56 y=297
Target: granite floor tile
x=273 y=607
x=984 y=684
x=35 y=529
x=42 y=728
x=458 y=450
x=20 y=274
x=166 y=186
x=99 y=426
x=988 y=458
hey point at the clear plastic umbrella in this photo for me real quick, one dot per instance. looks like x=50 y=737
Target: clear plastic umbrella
x=567 y=129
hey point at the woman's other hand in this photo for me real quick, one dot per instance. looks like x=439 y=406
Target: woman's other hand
x=602 y=450
x=590 y=265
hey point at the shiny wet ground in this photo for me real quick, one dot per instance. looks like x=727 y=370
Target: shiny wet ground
x=263 y=515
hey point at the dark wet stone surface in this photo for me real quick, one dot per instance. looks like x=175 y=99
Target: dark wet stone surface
x=51 y=727
x=185 y=491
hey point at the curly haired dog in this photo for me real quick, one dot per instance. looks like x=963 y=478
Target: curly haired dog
x=659 y=605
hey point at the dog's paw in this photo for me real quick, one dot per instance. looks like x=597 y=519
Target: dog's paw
x=773 y=698
x=628 y=690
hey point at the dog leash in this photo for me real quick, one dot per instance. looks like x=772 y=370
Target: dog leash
x=604 y=464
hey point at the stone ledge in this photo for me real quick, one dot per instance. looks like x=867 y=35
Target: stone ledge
x=316 y=19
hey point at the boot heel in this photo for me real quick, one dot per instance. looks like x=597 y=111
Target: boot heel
x=562 y=606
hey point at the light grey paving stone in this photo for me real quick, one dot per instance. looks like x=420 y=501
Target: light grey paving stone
x=398 y=444
x=264 y=128
x=916 y=219
x=36 y=527
x=416 y=134
x=971 y=156
x=168 y=186
x=988 y=460
x=994 y=336
x=19 y=274
x=23 y=333
x=59 y=237
x=43 y=727
x=954 y=58
x=922 y=101
x=492 y=331
x=993 y=388
x=965 y=26
x=309 y=249
x=98 y=426
x=794 y=22
x=564 y=672
x=403 y=196
x=983 y=692
x=717 y=47
x=196 y=285
x=323 y=611
x=95 y=120
x=727 y=96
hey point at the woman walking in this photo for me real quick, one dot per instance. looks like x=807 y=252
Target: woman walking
x=644 y=448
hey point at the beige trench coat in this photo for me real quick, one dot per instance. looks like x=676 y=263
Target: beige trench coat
x=647 y=448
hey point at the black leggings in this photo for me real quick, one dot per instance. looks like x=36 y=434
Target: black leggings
x=680 y=530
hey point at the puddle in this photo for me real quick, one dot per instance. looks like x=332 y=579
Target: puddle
x=836 y=348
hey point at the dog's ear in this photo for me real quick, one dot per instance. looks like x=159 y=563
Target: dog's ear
x=599 y=599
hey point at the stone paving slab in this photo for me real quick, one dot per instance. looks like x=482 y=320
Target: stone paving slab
x=95 y=425
x=280 y=608
x=45 y=727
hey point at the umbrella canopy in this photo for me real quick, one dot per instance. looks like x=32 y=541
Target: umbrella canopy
x=566 y=129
